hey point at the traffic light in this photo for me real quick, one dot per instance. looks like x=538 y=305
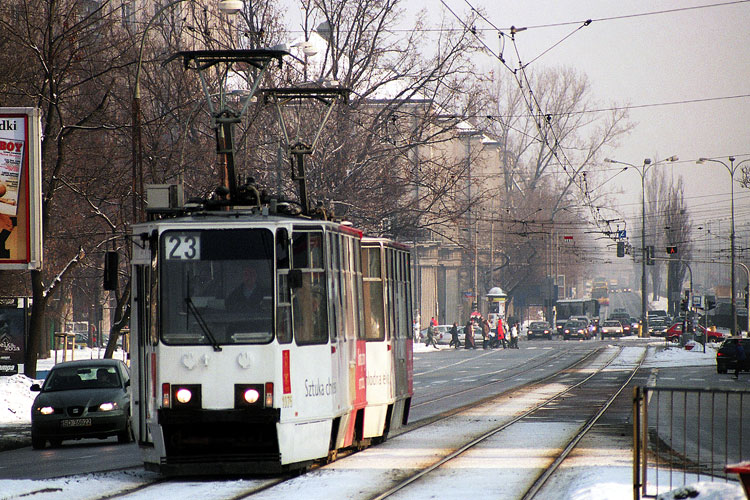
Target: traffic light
x=685 y=303
x=710 y=302
x=671 y=250
x=621 y=249
x=650 y=255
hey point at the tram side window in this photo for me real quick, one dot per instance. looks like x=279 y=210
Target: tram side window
x=373 y=295
x=390 y=280
x=284 y=298
x=153 y=303
x=403 y=300
x=309 y=301
x=333 y=274
x=409 y=305
x=357 y=279
x=349 y=286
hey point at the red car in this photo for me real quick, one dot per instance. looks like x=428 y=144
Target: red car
x=674 y=332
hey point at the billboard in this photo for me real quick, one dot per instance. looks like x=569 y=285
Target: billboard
x=20 y=188
x=12 y=337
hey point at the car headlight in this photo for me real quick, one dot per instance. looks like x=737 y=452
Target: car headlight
x=46 y=410
x=108 y=406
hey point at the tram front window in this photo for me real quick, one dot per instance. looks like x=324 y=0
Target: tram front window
x=217 y=287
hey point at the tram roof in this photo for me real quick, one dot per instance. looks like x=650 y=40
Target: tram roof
x=242 y=218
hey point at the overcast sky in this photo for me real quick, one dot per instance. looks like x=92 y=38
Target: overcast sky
x=683 y=67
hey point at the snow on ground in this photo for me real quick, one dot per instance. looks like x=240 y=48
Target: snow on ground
x=610 y=479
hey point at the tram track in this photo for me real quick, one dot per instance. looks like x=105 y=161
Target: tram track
x=512 y=373
x=400 y=489
x=407 y=466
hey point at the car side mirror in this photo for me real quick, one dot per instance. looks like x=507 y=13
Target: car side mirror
x=127 y=383
x=36 y=387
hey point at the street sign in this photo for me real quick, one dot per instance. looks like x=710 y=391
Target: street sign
x=621 y=234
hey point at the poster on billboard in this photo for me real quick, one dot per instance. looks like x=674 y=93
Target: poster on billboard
x=20 y=188
x=12 y=336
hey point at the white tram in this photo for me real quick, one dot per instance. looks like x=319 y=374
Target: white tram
x=261 y=343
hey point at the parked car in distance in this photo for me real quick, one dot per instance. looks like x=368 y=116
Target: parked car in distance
x=560 y=325
x=657 y=326
x=82 y=399
x=539 y=329
x=620 y=315
x=674 y=332
x=576 y=329
x=658 y=313
x=725 y=358
x=611 y=328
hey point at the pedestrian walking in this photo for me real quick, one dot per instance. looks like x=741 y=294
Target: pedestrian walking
x=454 y=336
x=415 y=329
x=485 y=334
x=740 y=357
x=501 y=334
x=514 y=336
x=430 y=341
x=469 y=335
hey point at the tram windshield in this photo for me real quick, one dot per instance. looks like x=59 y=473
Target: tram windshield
x=217 y=287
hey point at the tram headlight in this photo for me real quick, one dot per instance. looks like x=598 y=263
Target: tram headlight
x=248 y=395
x=251 y=396
x=183 y=396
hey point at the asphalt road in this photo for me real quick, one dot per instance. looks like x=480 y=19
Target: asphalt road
x=443 y=380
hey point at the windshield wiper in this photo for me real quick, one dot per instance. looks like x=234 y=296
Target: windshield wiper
x=202 y=323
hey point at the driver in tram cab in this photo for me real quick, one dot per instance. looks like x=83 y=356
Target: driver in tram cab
x=249 y=295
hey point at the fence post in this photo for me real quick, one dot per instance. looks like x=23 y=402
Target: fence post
x=636 y=442
x=644 y=440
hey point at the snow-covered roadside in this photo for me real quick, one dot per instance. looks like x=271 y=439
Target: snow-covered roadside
x=594 y=477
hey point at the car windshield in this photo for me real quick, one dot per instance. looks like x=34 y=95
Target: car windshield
x=217 y=286
x=612 y=323
x=79 y=377
x=538 y=325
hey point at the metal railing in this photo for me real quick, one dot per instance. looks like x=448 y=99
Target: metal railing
x=685 y=435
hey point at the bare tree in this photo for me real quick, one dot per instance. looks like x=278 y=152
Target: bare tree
x=658 y=199
x=71 y=55
x=678 y=229
x=552 y=144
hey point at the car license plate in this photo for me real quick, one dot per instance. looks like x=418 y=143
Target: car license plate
x=76 y=422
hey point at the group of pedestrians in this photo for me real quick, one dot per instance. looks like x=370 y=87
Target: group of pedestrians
x=492 y=336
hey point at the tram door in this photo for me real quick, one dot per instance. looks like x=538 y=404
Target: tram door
x=399 y=294
x=143 y=287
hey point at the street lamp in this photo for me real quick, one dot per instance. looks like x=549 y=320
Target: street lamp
x=226 y=6
x=731 y=168
x=468 y=133
x=644 y=284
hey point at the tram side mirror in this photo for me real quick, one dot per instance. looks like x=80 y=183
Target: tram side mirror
x=111 y=263
x=295 y=279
